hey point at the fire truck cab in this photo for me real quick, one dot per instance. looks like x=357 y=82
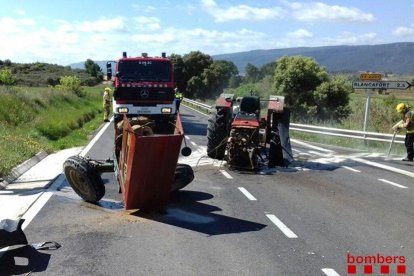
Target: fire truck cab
x=143 y=86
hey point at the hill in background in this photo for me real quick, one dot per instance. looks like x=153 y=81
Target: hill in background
x=386 y=58
x=395 y=58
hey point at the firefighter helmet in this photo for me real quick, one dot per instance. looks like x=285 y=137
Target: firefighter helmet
x=108 y=89
x=401 y=107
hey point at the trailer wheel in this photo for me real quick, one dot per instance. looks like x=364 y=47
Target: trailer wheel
x=217 y=133
x=184 y=174
x=83 y=179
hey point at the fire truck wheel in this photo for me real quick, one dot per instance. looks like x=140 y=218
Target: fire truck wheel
x=217 y=133
x=184 y=174
x=83 y=179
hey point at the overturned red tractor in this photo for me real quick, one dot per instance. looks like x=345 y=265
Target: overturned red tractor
x=237 y=134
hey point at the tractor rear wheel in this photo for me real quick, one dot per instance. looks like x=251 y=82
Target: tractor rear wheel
x=83 y=179
x=217 y=133
x=184 y=174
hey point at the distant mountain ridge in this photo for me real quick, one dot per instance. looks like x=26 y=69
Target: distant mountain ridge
x=392 y=58
x=395 y=58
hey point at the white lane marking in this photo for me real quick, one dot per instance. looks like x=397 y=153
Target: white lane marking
x=330 y=272
x=392 y=183
x=194 y=144
x=385 y=167
x=41 y=201
x=296 y=150
x=310 y=146
x=288 y=233
x=247 y=194
x=95 y=139
x=226 y=174
x=186 y=137
x=316 y=152
x=351 y=169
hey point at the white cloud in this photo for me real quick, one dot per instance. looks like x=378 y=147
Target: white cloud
x=208 y=41
x=348 y=38
x=102 y=26
x=300 y=34
x=241 y=12
x=21 y=12
x=318 y=11
x=404 y=31
x=147 y=23
x=142 y=8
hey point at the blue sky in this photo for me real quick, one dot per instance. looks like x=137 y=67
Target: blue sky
x=70 y=31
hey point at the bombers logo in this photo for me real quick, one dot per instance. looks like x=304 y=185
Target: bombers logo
x=391 y=265
x=144 y=94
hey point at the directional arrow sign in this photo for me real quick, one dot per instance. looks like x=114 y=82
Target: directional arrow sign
x=401 y=85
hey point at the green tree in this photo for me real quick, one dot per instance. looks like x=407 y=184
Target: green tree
x=6 y=77
x=7 y=62
x=195 y=63
x=332 y=100
x=195 y=87
x=179 y=77
x=217 y=77
x=252 y=73
x=93 y=69
x=296 y=78
x=267 y=70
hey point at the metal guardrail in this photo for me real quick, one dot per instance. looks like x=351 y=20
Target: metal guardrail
x=346 y=133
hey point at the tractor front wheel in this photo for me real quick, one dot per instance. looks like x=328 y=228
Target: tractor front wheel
x=83 y=179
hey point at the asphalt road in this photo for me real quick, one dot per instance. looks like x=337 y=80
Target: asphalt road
x=332 y=207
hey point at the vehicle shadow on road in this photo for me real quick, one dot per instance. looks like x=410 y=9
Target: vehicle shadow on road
x=187 y=212
x=23 y=260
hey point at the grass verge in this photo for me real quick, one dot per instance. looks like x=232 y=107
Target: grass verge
x=44 y=119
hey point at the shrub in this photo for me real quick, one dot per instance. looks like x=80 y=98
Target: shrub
x=71 y=83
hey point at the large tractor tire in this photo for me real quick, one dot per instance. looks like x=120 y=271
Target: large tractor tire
x=184 y=174
x=217 y=133
x=83 y=179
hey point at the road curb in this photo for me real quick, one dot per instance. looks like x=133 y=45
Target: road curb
x=22 y=168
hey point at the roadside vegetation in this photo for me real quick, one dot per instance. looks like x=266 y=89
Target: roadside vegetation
x=48 y=118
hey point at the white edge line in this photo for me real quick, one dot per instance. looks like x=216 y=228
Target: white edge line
x=97 y=136
x=385 y=167
x=351 y=169
x=330 y=272
x=392 y=183
x=186 y=137
x=194 y=144
x=41 y=201
x=288 y=233
x=45 y=196
x=311 y=146
x=246 y=193
x=226 y=174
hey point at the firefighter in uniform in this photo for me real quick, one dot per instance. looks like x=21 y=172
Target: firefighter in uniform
x=407 y=122
x=106 y=103
x=178 y=98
